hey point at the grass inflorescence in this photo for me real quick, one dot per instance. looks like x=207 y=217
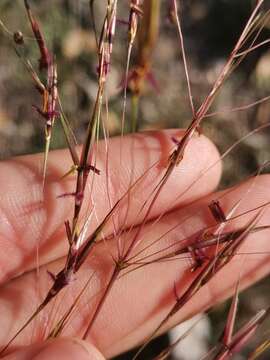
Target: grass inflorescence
x=212 y=247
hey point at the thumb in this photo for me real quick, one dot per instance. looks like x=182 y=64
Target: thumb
x=60 y=349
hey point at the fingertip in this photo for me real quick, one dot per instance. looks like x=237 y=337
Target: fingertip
x=206 y=153
x=69 y=349
x=60 y=349
x=94 y=353
x=199 y=172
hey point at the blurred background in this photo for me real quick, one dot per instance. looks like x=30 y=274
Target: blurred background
x=210 y=27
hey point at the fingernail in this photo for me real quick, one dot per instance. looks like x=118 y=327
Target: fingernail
x=68 y=349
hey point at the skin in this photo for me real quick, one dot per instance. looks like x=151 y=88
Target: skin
x=31 y=224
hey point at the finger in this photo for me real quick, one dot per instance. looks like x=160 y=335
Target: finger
x=32 y=220
x=61 y=349
x=140 y=300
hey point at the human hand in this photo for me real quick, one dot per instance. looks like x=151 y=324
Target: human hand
x=32 y=232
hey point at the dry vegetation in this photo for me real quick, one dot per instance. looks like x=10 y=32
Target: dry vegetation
x=149 y=65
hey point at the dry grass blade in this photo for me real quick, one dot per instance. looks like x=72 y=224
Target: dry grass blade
x=178 y=154
x=92 y=14
x=260 y=350
x=241 y=338
x=167 y=352
x=29 y=320
x=229 y=66
x=228 y=331
x=174 y=15
x=227 y=335
x=104 y=53
x=59 y=327
x=27 y=63
x=50 y=93
x=134 y=13
x=193 y=250
x=221 y=258
x=147 y=38
x=45 y=60
x=50 y=113
x=70 y=137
